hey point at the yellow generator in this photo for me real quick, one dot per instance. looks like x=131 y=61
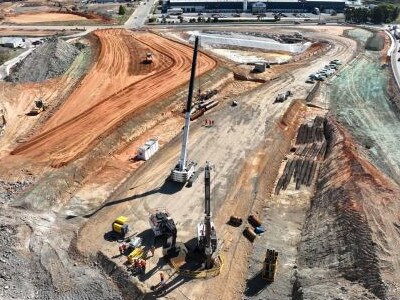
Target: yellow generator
x=269 y=266
x=136 y=254
x=120 y=226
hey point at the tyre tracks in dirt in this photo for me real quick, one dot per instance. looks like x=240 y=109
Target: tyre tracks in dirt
x=71 y=138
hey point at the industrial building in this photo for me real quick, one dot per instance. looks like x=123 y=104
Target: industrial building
x=255 y=6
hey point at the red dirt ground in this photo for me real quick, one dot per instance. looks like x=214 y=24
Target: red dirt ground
x=111 y=92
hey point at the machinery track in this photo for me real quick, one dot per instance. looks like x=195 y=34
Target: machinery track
x=70 y=138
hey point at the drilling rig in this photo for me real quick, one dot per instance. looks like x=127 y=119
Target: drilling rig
x=206 y=234
x=184 y=169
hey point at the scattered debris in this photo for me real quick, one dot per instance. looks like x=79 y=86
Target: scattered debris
x=310 y=150
x=235 y=221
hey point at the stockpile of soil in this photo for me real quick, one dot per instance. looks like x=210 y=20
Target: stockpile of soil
x=375 y=42
x=350 y=238
x=49 y=60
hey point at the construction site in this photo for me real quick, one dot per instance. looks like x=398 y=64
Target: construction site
x=229 y=162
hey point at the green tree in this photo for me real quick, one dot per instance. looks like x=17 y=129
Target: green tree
x=122 y=10
x=377 y=15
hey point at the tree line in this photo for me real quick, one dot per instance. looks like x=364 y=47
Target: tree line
x=382 y=13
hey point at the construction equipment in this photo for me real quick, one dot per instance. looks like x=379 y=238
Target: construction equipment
x=120 y=226
x=136 y=254
x=184 y=169
x=206 y=234
x=163 y=225
x=40 y=106
x=149 y=58
x=283 y=96
x=269 y=265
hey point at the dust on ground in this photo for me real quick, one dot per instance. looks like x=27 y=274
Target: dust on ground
x=42 y=17
x=35 y=33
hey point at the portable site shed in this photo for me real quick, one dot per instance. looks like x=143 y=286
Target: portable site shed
x=148 y=150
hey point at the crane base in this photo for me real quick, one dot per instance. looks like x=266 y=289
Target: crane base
x=185 y=175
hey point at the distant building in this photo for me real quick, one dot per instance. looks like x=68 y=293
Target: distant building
x=256 y=6
x=12 y=42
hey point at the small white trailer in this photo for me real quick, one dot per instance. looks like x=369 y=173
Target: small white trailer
x=148 y=150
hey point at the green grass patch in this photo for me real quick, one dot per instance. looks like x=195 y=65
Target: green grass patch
x=8 y=53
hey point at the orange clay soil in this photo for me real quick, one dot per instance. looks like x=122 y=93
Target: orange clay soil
x=117 y=86
x=43 y=17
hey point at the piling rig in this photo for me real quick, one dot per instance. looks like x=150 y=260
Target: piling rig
x=206 y=234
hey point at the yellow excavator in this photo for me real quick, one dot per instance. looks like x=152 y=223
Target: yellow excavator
x=40 y=106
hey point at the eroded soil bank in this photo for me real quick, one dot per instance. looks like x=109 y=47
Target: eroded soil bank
x=348 y=247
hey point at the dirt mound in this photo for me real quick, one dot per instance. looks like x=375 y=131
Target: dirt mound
x=375 y=42
x=350 y=236
x=49 y=60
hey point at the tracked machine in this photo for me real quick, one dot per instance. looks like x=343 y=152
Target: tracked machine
x=149 y=58
x=40 y=106
x=162 y=224
x=184 y=170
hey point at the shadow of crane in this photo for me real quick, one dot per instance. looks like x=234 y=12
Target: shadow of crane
x=168 y=188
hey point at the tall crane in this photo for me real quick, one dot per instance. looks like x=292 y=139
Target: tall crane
x=206 y=234
x=184 y=169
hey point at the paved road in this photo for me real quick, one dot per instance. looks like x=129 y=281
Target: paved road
x=396 y=64
x=139 y=16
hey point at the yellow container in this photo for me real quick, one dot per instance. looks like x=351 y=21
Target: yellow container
x=137 y=253
x=121 y=220
x=117 y=227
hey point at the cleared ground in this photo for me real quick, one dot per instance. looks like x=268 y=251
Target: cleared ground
x=247 y=145
x=131 y=85
x=35 y=33
x=43 y=17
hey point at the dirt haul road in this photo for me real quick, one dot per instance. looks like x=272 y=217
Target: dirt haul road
x=112 y=91
x=235 y=145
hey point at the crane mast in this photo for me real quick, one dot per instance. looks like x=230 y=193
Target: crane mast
x=184 y=170
x=207 y=219
x=206 y=233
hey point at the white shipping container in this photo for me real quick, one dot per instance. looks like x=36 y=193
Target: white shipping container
x=148 y=150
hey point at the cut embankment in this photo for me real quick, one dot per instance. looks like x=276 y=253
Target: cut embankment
x=350 y=238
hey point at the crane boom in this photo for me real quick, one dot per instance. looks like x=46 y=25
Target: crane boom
x=183 y=157
x=183 y=171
